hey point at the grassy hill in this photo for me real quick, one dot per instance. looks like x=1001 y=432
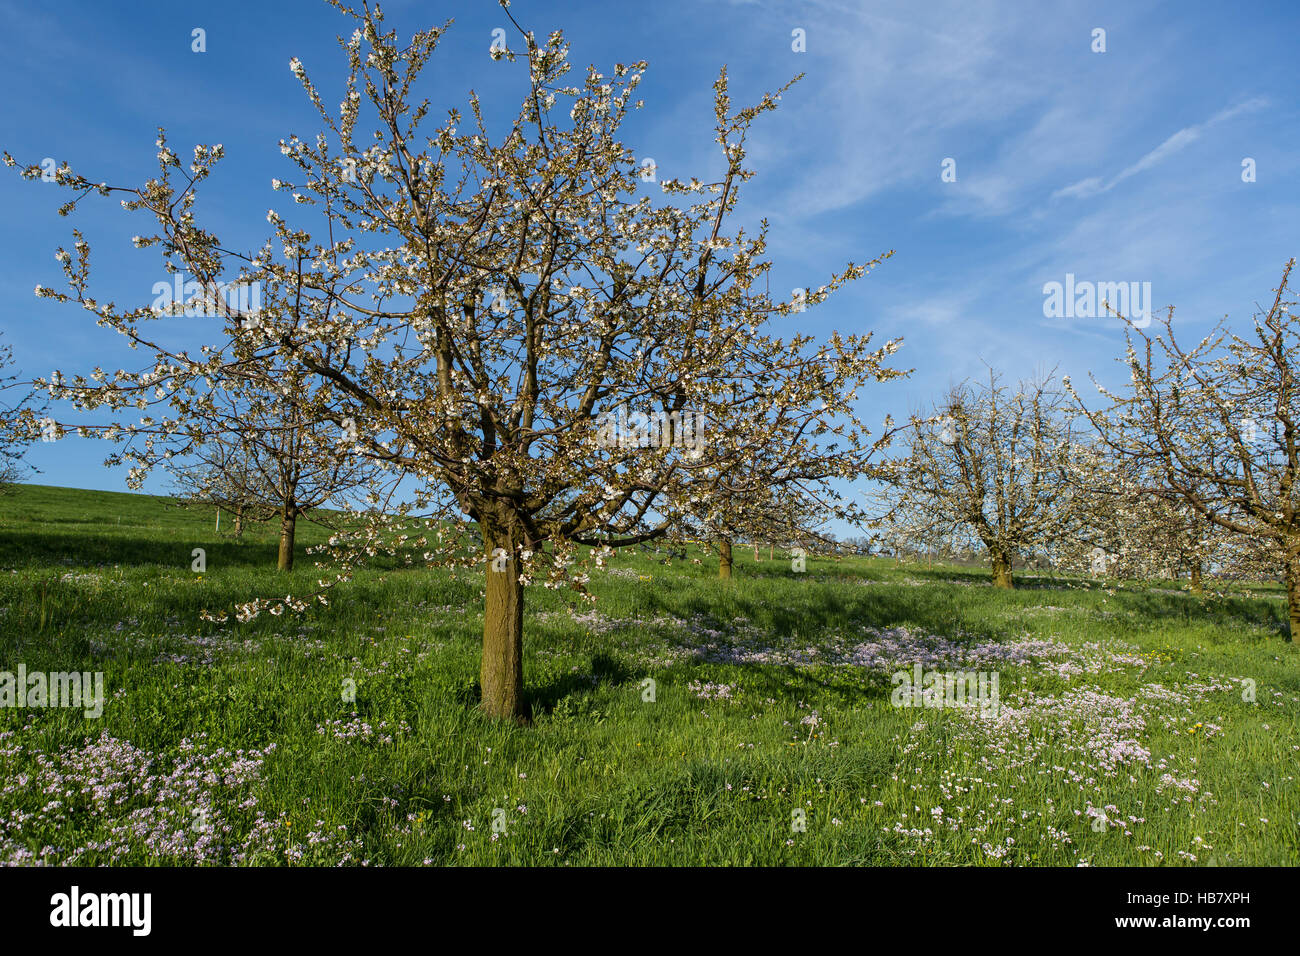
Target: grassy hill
x=679 y=720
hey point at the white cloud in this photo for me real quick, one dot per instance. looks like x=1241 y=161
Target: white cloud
x=1175 y=143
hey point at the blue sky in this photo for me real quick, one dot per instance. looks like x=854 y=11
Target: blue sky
x=1122 y=166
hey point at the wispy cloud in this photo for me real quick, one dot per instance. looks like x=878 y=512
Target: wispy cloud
x=1175 y=143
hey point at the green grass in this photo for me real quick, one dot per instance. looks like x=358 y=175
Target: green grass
x=210 y=747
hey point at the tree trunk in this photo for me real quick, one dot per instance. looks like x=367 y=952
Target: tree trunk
x=1196 y=579
x=724 y=559
x=1293 y=595
x=1002 y=571
x=239 y=522
x=756 y=557
x=288 y=521
x=501 y=676
x=771 y=551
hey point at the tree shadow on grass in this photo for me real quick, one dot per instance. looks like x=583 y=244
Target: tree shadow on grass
x=827 y=612
x=951 y=610
x=1188 y=610
x=545 y=696
x=64 y=548
x=846 y=686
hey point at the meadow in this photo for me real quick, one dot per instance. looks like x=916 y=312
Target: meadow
x=678 y=720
